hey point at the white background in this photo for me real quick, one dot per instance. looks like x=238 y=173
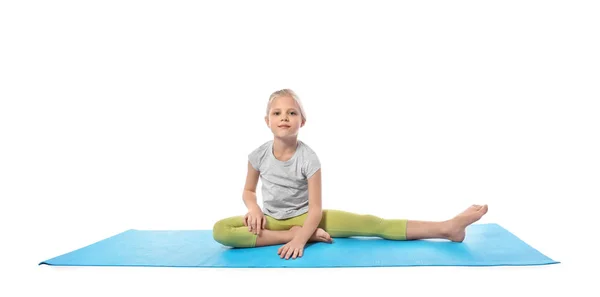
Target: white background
x=140 y=114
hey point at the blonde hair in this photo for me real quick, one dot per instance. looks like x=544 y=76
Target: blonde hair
x=289 y=93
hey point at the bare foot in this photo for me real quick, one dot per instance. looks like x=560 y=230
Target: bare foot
x=455 y=230
x=320 y=235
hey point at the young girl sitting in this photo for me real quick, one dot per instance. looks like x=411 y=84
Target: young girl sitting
x=290 y=172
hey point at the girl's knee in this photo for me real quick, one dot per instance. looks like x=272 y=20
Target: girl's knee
x=220 y=232
x=232 y=233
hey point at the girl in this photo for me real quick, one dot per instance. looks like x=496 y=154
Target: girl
x=290 y=172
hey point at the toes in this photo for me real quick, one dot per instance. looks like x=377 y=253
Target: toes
x=484 y=208
x=324 y=237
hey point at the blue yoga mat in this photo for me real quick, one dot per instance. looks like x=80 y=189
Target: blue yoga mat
x=485 y=245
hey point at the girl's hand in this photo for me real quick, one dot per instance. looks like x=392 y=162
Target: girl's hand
x=292 y=249
x=255 y=220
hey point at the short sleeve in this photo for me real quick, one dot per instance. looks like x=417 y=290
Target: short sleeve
x=257 y=156
x=311 y=165
x=254 y=159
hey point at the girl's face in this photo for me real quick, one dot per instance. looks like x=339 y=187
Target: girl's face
x=284 y=117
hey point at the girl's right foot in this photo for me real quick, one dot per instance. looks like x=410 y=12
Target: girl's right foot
x=320 y=235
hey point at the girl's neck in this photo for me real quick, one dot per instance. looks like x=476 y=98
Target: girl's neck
x=284 y=146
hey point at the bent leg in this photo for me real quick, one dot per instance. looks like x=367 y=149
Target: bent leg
x=275 y=232
x=233 y=233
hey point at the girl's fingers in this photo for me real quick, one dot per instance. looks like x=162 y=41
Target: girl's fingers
x=258 y=225
x=283 y=251
x=289 y=253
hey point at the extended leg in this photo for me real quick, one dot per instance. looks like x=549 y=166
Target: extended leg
x=345 y=224
x=452 y=229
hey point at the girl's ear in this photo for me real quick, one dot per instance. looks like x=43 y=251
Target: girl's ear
x=302 y=124
x=267 y=120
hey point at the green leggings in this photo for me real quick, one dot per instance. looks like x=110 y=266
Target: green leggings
x=232 y=232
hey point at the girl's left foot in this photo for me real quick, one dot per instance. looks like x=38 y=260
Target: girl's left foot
x=455 y=228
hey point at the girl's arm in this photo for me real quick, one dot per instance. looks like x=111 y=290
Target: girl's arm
x=254 y=219
x=249 y=194
x=314 y=208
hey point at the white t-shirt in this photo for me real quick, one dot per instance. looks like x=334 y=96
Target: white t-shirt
x=284 y=183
